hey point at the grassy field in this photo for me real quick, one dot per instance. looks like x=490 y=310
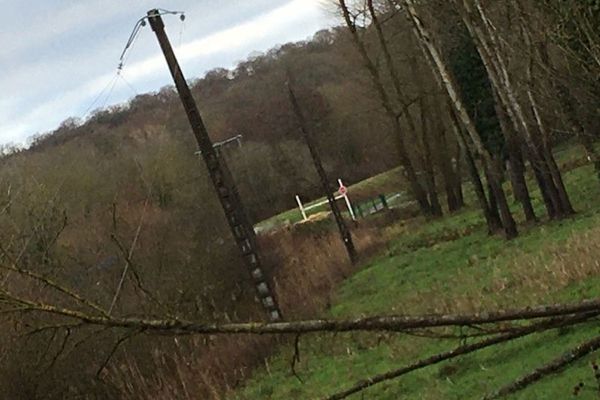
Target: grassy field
x=387 y=183
x=452 y=265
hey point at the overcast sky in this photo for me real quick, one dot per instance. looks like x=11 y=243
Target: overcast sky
x=57 y=56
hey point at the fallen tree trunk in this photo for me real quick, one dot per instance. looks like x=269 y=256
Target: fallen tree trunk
x=459 y=351
x=375 y=323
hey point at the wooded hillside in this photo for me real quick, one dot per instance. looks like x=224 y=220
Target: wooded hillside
x=116 y=216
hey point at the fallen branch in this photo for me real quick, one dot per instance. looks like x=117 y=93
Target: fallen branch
x=128 y=255
x=56 y=286
x=552 y=367
x=377 y=323
x=460 y=351
x=296 y=358
x=114 y=349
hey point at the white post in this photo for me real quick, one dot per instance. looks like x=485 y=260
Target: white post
x=350 y=207
x=301 y=208
x=348 y=204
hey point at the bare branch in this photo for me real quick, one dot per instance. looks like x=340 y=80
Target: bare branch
x=54 y=285
x=552 y=367
x=375 y=323
x=115 y=347
x=128 y=255
x=296 y=357
x=460 y=351
x=60 y=350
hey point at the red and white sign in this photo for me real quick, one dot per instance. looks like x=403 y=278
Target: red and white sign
x=343 y=193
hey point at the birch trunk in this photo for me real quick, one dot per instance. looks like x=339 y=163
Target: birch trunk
x=493 y=220
x=517 y=167
x=508 y=223
x=490 y=49
x=417 y=189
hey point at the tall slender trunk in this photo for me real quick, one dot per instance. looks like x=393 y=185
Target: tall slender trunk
x=518 y=182
x=499 y=79
x=517 y=167
x=450 y=174
x=417 y=189
x=490 y=49
x=428 y=165
x=565 y=203
x=405 y=103
x=492 y=219
x=458 y=183
x=493 y=204
x=442 y=71
x=494 y=178
x=566 y=102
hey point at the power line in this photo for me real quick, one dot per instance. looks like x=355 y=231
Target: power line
x=109 y=84
x=138 y=27
x=110 y=92
x=129 y=85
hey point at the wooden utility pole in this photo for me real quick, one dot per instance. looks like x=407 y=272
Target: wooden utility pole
x=308 y=137
x=240 y=225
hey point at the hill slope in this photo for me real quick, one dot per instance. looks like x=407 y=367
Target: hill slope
x=451 y=265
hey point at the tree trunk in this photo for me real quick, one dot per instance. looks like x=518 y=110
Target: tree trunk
x=458 y=187
x=494 y=177
x=499 y=77
x=566 y=102
x=517 y=167
x=492 y=219
x=452 y=181
x=442 y=71
x=434 y=205
x=490 y=50
x=452 y=184
x=518 y=182
x=417 y=189
x=428 y=165
x=493 y=205
x=565 y=203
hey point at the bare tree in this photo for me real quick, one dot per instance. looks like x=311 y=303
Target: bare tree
x=442 y=71
x=419 y=192
x=492 y=52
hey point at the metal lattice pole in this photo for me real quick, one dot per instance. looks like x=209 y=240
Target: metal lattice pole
x=240 y=226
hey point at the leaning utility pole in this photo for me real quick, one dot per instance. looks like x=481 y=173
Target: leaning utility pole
x=241 y=228
x=308 y=137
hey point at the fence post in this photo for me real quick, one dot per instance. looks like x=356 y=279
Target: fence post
x=347 y=199
x=384 y=201
x=301 y=207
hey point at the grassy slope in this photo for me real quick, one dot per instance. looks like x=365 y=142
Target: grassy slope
x=384 y=183
x=452 y=265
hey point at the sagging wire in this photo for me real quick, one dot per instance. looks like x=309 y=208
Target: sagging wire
x=138 y=27
x=112 y=88
x=130 y=42
x=106 y=92
x=110 y=84
x=129 y=85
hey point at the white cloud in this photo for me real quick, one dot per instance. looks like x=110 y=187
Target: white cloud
x=231 y=39
x=47 y=26
x=295 y=20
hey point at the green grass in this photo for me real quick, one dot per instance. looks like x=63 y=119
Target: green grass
x=384 y=183
x=390 y=183
x=437 y=266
